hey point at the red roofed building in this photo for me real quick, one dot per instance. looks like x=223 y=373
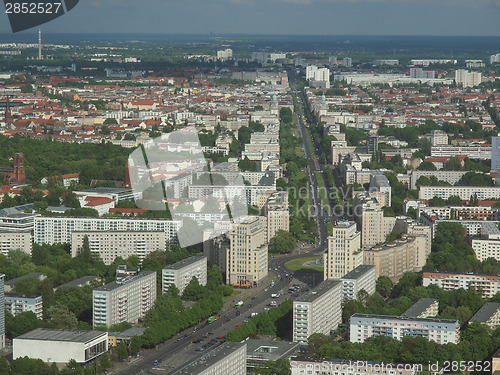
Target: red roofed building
x=101 y=204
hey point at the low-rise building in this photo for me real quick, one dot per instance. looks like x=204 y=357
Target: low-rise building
x=317 y=311
x=60 y=346
x=441 y=331
x=488 y=314
x=11 y=284
x=17 y=304
x=181 y=273
x=423 y=308
x=230 y=358
x=360 y=278
x=260 y=351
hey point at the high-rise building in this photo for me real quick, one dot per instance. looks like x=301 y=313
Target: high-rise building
x=127 y=299
x=2 y=311
x=372 y=143
x=464 y=78
x=247 y=257
x=225 y=54
x=495 y=58
x=317 y=311
x=361 y=278
x=421 y=73
x=441 y=331
x=393 y=259
x=347 y=62
x=181 y=273
x=495 y=153
x=343 y=254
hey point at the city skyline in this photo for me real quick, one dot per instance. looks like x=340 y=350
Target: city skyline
x=281 y=17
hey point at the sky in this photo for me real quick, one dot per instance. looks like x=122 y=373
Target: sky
x=296 y=17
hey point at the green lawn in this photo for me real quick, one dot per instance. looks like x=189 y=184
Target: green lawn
x=298 y=265
x=322 y=189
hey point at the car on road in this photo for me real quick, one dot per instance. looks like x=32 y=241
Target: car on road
x=199 y=349
x=238 y=312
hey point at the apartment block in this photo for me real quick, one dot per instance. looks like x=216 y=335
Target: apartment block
x=110 y=245
x=51 y=230
x=464 y=192
x=317 y=311
x=441 y=331
x=423 y=308
x=393 y=259
x=482 y=152
x=452 y=177
x=16 y=241
x=124 y=300
x=181 y=273
x=247 y=257
x=276 y=218
x=361 y=278
x=495 y=153
x=2 y=311
x=423 y=234
x=487 y=285
x=230 y=358
x=466 y=78
x=488 y=314
x=372 y=223
x=344 y=251
x=17 y=304
x=487 y=247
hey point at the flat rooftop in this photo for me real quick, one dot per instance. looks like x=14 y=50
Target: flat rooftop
x=79 y=282
x=317 y=292
x=115 y=285
x=270 y=350
x=209 y=359
x=46 y=334
x=486 y=312
x=357 y=272
x=185 y=262
x=419 y=307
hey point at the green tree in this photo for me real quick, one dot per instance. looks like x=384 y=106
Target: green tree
x=135 y=345
x=4 y=366
x=110 y=121
x=193 y=291
x=384 y=286
x=283 y=242
x=454 y=200
x=246 y=164
x=122 y=351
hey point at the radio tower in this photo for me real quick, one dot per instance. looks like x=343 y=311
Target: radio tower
x=39 y=44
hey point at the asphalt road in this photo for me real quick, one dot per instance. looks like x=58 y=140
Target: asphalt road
x=180 y=350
